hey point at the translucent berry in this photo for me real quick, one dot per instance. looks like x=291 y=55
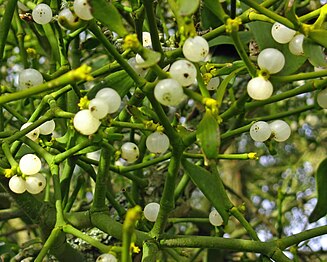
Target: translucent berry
x=130 y=152
x=35 y=183
x=29 y=77
x=296 y=45
x=322 y=98
x=106 y=258
x=196 y=49
x=183 y=71
x=42 y=14
x=146 y=37
x=169 y=92
x=47 y=127
x=259 y=88
x=280 y=130
x=139 y=70
x=157 y=142
x=272 y=60
x=30 y=164
x=34 y=134
x=215 y=218
x=112 y=98
x=17 y=184
x=22 y=7
x=85 y=123
x=98 y=107
x=281 y=33
x=151 y=211
x=82 y=9
x=67 y=19
x=260 y=131
x=213 y=83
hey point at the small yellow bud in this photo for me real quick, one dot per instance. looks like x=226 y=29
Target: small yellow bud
x=206 y=78
x=253 y=156
x=134 y=248
x=131 y=42
x=233 y=25
x=9 y=173
x=84 y=103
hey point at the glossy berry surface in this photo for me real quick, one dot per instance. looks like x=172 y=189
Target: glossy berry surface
x=17 y=184
x=47 y=127
x=29 y=78
x=151 y=211
x=281 y=33
x=34 y=134
x=106 y=258
x=111 y=97
x=215 y=218
x=42 y=14
x=260 y=131
x=271 y=60
x=85 y=123
x=35 y=183
x=259 y=88
x=196 y=49
x=169 y=92
x=280 y=130
x=130 y=152
x=30 y=164
x=183 y=71
x=213 y=83
x=82 y=9
x=157 y=142
x=98 y=107
x=296 y=45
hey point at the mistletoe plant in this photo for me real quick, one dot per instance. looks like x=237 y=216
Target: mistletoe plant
x=119 y=115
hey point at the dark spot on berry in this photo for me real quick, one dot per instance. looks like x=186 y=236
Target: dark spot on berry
x=186 y=75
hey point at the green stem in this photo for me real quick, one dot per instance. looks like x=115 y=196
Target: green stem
x=5 y=25
x=71 y=151
x=20 y=36
x=245 y=156
x=181 y=186
x=54 y=169
x=299 y=76
x=53 y=238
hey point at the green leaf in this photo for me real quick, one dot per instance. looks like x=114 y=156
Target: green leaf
x=108 y=15
x=245 y=37
x=211 y=186
x=319 y=36
x=150 y=57
x=262 y=35
x=314 y=53
x=216 y=8
x=208 y=136
x=187 y=7
x=320 y=209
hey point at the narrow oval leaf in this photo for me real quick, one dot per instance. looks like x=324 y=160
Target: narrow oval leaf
x=187 y=7
x=211 y=186
x=207 y=134
x=108 y=15
x=319 y=36
x=314 y=52
x=320 y=209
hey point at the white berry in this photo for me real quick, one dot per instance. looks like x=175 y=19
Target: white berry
x=169 y=92
x=260 y=131
x=272 y=60
x=322 y=98
x=29 y=77
x=196 y=49
x=98 y=107
x=130 y=152
x=17 y=184
x=85 y=123
x=138 y=69
x=146 y=39
x=30 y=164
x=213 y=83
x=281 y=33
x=111 y=97
x=47 y=127
x=280 y=130
x=82 y=9
x=183 y=71
x=259 y=88
x=35 y=183
x=42 y=14
x=296 y=45
x=215 y=218
x=151 y=211
x=157 y=142
x=106 y=258
x=34 y=134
